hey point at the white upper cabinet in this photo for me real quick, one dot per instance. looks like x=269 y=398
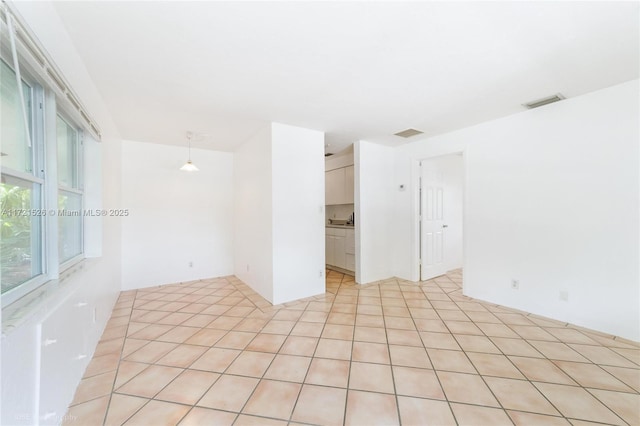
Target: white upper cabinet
x=339 y=186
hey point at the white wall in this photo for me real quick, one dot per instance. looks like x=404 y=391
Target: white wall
x=279 y=214
x=175 y=217
x=298 y=212
x=252 y=209
x=551 y=200
x=27 y=391
x=374 y=196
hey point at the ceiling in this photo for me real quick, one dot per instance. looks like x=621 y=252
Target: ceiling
x=355 y=70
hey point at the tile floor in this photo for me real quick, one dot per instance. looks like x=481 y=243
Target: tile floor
x=213 y=352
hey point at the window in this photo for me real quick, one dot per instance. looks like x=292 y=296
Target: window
x=69 y=190
x=41 y=234
x=21 y=184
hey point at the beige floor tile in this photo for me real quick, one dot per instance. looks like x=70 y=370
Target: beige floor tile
x=288 y=368
x=370 y=334
x=307 y=329
x=150 y=381
x=182 y=356
x=439 y=340
x=102 y=364
x=151 y=352
x=569 y=335
x=371 y=377
x=409 y=356
x=519 y=395
x=370 y=352
x=526 y=419
x=266 y=343
x=94 y=387
x=557 y=351
x=121 y=407
x=476 y=344
x=216 y=360
x=424 y=412
x=466 y=388
x=199 y=416
x=320 y=405
x=333 y=348
x=299 y=345
x=106 y=347
x=603 y=356
x=625 y=405
x=235 y=340
x=337 y=331
x=261 y=402
x=541 y=370
x=404 y=337
x=158 y=413
x=432 y=325
x=328 y=372
x=577 y=403
x=368 y=408
x=150 y=331
x=188 y=387
x=496 y=330
x=178 y=334
x=253 y=364
x=376 y=321
x=224 y=322
x=533 y=333
x=463 y=327
x=88 y=413
x=406 y=346
x=494 y=365
x=629 y=376
x=472 y=415
x=219 y=397
x=455 y=361
x=417 y=382
x=516 y=347
x=246 y=420
x=592 y=376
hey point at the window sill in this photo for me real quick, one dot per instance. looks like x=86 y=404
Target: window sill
x=39 y=303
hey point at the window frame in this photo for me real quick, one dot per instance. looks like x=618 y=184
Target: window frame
x=79 y=167
x=37 y=176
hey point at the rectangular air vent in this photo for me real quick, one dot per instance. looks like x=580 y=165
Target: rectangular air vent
x=408 y=133
x=545 y=101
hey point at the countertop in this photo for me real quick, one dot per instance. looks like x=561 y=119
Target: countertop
x=340 y=226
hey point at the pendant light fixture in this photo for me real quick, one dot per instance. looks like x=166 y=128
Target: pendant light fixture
x=189 y=166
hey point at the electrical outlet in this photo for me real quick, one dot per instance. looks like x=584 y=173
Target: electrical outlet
x=190 y=264
x=564 y=296
x=320 y=273
x=515 y=284
x=248 y=267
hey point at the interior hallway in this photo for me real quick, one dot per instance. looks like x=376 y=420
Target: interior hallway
x=214 y=352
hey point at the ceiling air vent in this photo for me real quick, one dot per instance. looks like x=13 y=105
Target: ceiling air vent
x=408 y=133
x=545 y=101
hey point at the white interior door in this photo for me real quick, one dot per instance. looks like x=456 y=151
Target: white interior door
x=433 y=224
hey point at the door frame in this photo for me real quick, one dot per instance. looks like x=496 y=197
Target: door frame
x=416 y=203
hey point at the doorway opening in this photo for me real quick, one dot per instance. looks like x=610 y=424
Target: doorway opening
x=440 y=215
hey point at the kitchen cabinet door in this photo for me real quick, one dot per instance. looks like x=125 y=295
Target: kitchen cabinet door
x=349 y=183
x=329 y=250
x=339 y=253
x=334 y=187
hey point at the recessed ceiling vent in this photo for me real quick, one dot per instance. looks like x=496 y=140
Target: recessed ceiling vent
x=408 y=133
x=545 y=101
